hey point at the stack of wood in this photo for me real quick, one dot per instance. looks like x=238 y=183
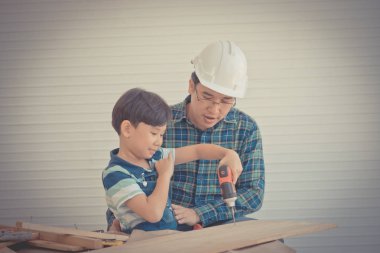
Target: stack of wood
x=254 y=236
x=56 y=238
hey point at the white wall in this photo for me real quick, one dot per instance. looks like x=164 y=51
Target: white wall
x=314 y=88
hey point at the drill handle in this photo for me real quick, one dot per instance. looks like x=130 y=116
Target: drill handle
x=225 y=182
x=224 y=174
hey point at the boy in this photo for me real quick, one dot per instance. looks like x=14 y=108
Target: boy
x=137 y=177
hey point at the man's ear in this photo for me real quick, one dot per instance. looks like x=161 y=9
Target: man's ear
x=191 y=86
x=125 y=128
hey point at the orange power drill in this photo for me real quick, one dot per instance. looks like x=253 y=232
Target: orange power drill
x=228 y=189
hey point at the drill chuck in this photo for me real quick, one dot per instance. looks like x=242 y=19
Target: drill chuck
x=228 y=194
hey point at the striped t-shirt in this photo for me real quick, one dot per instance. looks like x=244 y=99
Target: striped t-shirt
x=122 y=181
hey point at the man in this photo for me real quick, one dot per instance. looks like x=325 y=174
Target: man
x=208 y=115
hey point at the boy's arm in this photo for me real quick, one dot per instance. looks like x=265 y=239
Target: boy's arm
x=151 y=208
x=210 y=152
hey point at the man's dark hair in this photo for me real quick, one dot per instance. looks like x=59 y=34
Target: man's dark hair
x=195 y=78
x=138 y=105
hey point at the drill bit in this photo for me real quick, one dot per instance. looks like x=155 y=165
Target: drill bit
x=233 y=214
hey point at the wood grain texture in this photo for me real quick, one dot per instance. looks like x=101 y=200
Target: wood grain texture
x=221 y=238
x=70 y=231
x=268 y=247
x=86 y=242
x=55 y=245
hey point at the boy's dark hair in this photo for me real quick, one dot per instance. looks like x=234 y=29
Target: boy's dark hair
x=138 y=105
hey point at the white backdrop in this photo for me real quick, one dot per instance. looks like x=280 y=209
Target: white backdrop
x=314 y=88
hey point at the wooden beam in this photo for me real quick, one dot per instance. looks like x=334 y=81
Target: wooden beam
x=268 y=247
x=221 y=238
x=138 y=235
x=55 y=245
x=70 y=231
x=86 y=242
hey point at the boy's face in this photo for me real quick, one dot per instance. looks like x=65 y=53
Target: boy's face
x=146 y=139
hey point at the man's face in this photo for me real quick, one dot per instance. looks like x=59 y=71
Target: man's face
x=207 y=107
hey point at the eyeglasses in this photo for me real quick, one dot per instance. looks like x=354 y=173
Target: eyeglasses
x=224 y=102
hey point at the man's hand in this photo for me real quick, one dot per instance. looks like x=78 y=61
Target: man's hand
x=232 y=160
x=185 y=215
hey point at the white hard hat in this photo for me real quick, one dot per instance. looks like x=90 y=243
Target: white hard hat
x=222 y=67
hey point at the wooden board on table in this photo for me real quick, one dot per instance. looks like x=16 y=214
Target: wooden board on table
x=268 y=247
x=70 y=231
x=55 y=245
x=38 y=250
x=139 y=235
x=86 y=242
x=221 y=238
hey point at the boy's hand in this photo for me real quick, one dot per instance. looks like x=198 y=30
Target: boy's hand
x=165 y=167
x=232 y=160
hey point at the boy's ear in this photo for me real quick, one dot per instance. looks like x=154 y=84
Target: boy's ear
x=125 y=128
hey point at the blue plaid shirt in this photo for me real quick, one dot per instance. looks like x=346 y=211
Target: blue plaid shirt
x=195 y=184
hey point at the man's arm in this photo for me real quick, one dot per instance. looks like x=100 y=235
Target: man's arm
x=250 y=185
x=210 y=152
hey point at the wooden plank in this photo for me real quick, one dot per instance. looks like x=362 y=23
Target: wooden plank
x=55 y=245
x=37 y=250
x=108 y=243
x=139 y=235
x=268 y=247
x=70 y=231
x=86 y=242
x=221 y=238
